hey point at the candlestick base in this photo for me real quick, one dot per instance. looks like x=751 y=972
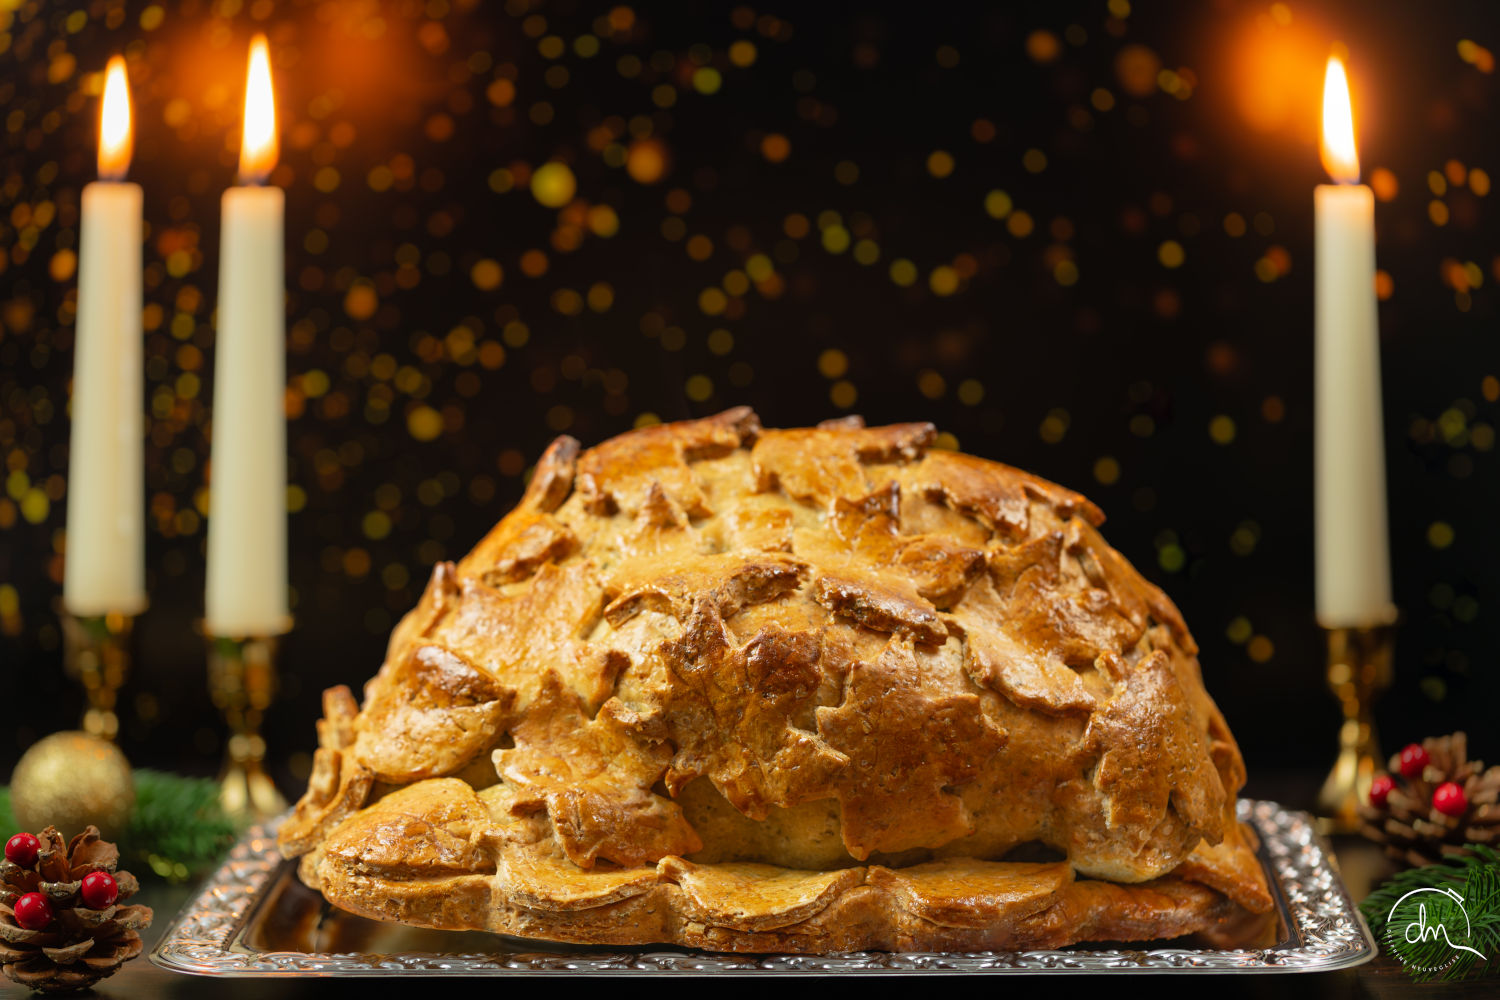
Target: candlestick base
x=242 y=681
x=1359 y=668
x=96 y=654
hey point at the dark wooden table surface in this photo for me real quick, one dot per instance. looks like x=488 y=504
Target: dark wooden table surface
x=1359 y=861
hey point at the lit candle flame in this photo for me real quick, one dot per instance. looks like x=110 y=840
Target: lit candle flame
x=115 y=141
x=258 y=145
x=1340 y=158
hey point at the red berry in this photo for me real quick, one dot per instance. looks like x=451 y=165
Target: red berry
x=1414 y=760
x=1449 y=799
x=22 y=849
x=1381 y=788
x=99 y=890
x=33 y=912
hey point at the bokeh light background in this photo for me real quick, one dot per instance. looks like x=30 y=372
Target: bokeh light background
x=1075 y=235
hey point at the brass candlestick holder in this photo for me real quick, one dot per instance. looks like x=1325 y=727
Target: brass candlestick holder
x=96 y=653
x=242 y=681
x=1359 y=668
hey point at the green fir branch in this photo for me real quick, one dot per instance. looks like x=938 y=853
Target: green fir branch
x=1477 y=879
x=177 y=825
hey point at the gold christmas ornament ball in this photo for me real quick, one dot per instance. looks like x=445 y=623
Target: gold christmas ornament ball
x=69 y=780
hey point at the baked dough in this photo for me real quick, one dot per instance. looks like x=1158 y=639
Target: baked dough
x=812 y=690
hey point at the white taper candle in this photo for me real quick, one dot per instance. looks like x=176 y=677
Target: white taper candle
x=104 y=564
x=246 y=594
x=1352 y=549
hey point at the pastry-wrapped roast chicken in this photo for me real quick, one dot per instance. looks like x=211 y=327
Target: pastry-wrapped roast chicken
x=811 y=690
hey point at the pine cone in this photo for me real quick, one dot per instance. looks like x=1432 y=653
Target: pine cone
x=1412 y=830
x=81 y=945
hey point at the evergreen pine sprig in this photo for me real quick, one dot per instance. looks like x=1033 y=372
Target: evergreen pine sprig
x=1477 y=879
x=177 y=824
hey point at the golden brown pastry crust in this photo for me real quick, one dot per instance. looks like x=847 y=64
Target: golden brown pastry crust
x=785 y=690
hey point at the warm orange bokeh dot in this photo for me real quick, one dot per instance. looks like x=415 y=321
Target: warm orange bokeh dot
x=1043 y=46
x=486 y=275
x=1279 y=258
x=501 y=92
x=440 y=127
x=602 y=220
x=700 y=247
x=533 y=263
x=775 y=147
x=1222 y=358
x=491 y=354
x=1384 y=184
x=62 y=265
x=1136 y=68
x=1385 y=285
x=360 y=301
x=424 y=423
x=646 y=161
x=567 y=239
x=621 y=19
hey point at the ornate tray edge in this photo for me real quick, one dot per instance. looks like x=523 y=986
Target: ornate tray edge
x=1327 y=929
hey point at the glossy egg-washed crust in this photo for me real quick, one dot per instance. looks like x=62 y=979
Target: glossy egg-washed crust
x=785 y=690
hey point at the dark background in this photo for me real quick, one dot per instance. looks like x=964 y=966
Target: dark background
x=1177 y=397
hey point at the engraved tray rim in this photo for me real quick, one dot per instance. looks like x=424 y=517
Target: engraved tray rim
x=1325 y=932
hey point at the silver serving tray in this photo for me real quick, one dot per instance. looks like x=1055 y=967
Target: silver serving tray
x=253 y=918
